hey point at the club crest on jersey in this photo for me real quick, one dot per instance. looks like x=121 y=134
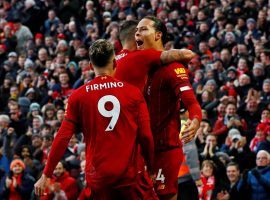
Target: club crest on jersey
x=161 y=187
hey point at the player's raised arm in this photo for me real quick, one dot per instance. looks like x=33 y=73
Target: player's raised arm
x=126 y=35
x=177 y=55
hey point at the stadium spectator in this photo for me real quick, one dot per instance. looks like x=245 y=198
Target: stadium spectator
x=208 y=180
x=256 y=181
x=62 y=184
x=18 y=184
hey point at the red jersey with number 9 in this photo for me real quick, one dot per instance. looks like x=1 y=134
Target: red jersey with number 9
x=112 y=115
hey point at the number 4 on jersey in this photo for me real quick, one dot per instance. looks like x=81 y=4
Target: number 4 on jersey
x=160 y=176
x=113 y=113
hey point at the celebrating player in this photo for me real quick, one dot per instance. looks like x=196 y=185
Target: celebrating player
x=165 y=88
x=114 y=119
x=133 y=65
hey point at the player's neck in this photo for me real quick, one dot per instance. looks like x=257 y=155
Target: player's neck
x=157 y=46
x=160 y=46
x=103 y=72
x=130 y=46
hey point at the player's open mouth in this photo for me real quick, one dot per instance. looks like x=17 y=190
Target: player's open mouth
x=139 y=42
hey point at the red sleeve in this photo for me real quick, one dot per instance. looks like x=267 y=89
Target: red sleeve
x=60 y=143
x=180 y=82
x=189 y=100
x=71 y=113
x=145 y=135
x=59 y=146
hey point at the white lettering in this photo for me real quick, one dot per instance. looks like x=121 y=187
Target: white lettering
x=102 y=86
x=118 y=57
x=95 y=86
x=120 y=84
x=113 y=85
x=87 y=88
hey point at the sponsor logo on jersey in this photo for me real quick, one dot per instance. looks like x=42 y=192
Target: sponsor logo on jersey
x=122 y=55
x=179 y=71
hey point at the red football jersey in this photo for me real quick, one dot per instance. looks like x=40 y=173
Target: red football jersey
x=114 y=118
x=133 y=67
x=163 y=92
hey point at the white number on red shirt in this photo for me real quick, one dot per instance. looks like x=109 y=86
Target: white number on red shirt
x=160 y=176
x=113 y=113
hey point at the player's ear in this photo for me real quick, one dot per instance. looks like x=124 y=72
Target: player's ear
x=158 y=35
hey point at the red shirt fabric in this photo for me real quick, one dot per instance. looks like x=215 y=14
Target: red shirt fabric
x=164 y=90
x=133 y=67
x=114 y=119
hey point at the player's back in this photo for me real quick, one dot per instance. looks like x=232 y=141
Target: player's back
x=133 y=67
x=108 y=112
x=162 y=93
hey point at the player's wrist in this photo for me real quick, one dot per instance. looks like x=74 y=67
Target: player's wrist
x=196 y=121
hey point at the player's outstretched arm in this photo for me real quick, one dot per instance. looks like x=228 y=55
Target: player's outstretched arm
x=59 y=146
x=177 y=55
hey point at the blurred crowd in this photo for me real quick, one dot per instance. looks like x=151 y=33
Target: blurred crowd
x=44 y=57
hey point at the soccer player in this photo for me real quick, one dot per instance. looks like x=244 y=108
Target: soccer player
x=165 y=88
x=114 y=119
x=133 y=65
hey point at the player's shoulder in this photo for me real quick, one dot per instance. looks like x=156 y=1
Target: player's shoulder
x=176 y=70
x=145 y=52
x=128 y=86
x=176 y=65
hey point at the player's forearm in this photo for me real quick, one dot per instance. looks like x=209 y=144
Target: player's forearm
x=59 y=146
x=176 y=55
x=189 y=100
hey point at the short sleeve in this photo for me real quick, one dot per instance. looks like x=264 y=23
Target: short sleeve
x=178 y=78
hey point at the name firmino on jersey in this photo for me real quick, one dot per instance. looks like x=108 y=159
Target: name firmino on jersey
x=102 y=86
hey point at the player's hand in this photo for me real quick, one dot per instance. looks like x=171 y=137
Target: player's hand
x=153 y=177
x=189 y=132
x=41 y=185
